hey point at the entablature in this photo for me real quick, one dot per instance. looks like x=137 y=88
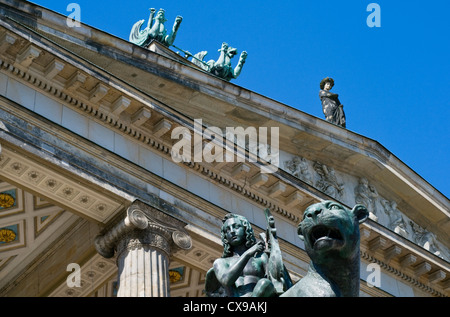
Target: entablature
x=404 y=259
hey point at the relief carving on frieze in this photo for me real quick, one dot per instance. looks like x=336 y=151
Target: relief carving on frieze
x=396 y=221
x=381 y=210
x=299 y=167
x=427 y=240
x=328 y=181
x=366 y=194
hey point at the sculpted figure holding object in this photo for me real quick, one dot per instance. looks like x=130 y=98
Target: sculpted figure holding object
x=242 y=271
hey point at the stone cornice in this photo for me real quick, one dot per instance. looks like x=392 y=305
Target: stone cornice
x=405 y=277
x=400 y=257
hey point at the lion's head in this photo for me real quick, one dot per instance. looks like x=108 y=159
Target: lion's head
x=330 y=228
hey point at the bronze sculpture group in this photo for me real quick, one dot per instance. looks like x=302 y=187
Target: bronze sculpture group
x=222 y=67
x=156 y=31
x=247 y=268
x=251 y=268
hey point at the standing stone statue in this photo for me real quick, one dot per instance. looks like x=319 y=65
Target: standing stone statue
x=245 y=268
x=155 y=30
x=331 y=106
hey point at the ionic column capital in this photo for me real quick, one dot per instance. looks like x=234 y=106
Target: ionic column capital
x=143 y=226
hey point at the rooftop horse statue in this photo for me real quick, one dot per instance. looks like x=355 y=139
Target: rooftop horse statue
x=155 y=30
x=222 y=67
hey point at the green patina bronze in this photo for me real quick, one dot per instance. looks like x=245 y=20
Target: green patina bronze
x=275 y=270
x=251 y=268
x=247 y=267
x=155 y=30
x=222 y=67
x=331 y=235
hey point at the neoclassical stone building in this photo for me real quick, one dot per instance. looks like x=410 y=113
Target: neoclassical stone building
x=91 y=192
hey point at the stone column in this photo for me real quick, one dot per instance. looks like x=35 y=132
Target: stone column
x=143 y=242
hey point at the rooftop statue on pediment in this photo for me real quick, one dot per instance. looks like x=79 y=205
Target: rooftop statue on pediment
x=331 y=106
x=366 y=194
x=155 y=30
x=222 y=67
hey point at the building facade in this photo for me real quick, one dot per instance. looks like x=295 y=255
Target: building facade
x=94 y=190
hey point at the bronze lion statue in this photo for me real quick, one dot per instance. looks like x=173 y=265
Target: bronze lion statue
x=331 y=235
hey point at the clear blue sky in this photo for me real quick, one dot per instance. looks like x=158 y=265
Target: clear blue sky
x=393 y=80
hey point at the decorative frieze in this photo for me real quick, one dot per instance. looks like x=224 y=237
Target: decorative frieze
x=366 y=195
x=339 y=186
x=396 y=221
x=425 y=239
x=328 y=181
x=299 y=167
